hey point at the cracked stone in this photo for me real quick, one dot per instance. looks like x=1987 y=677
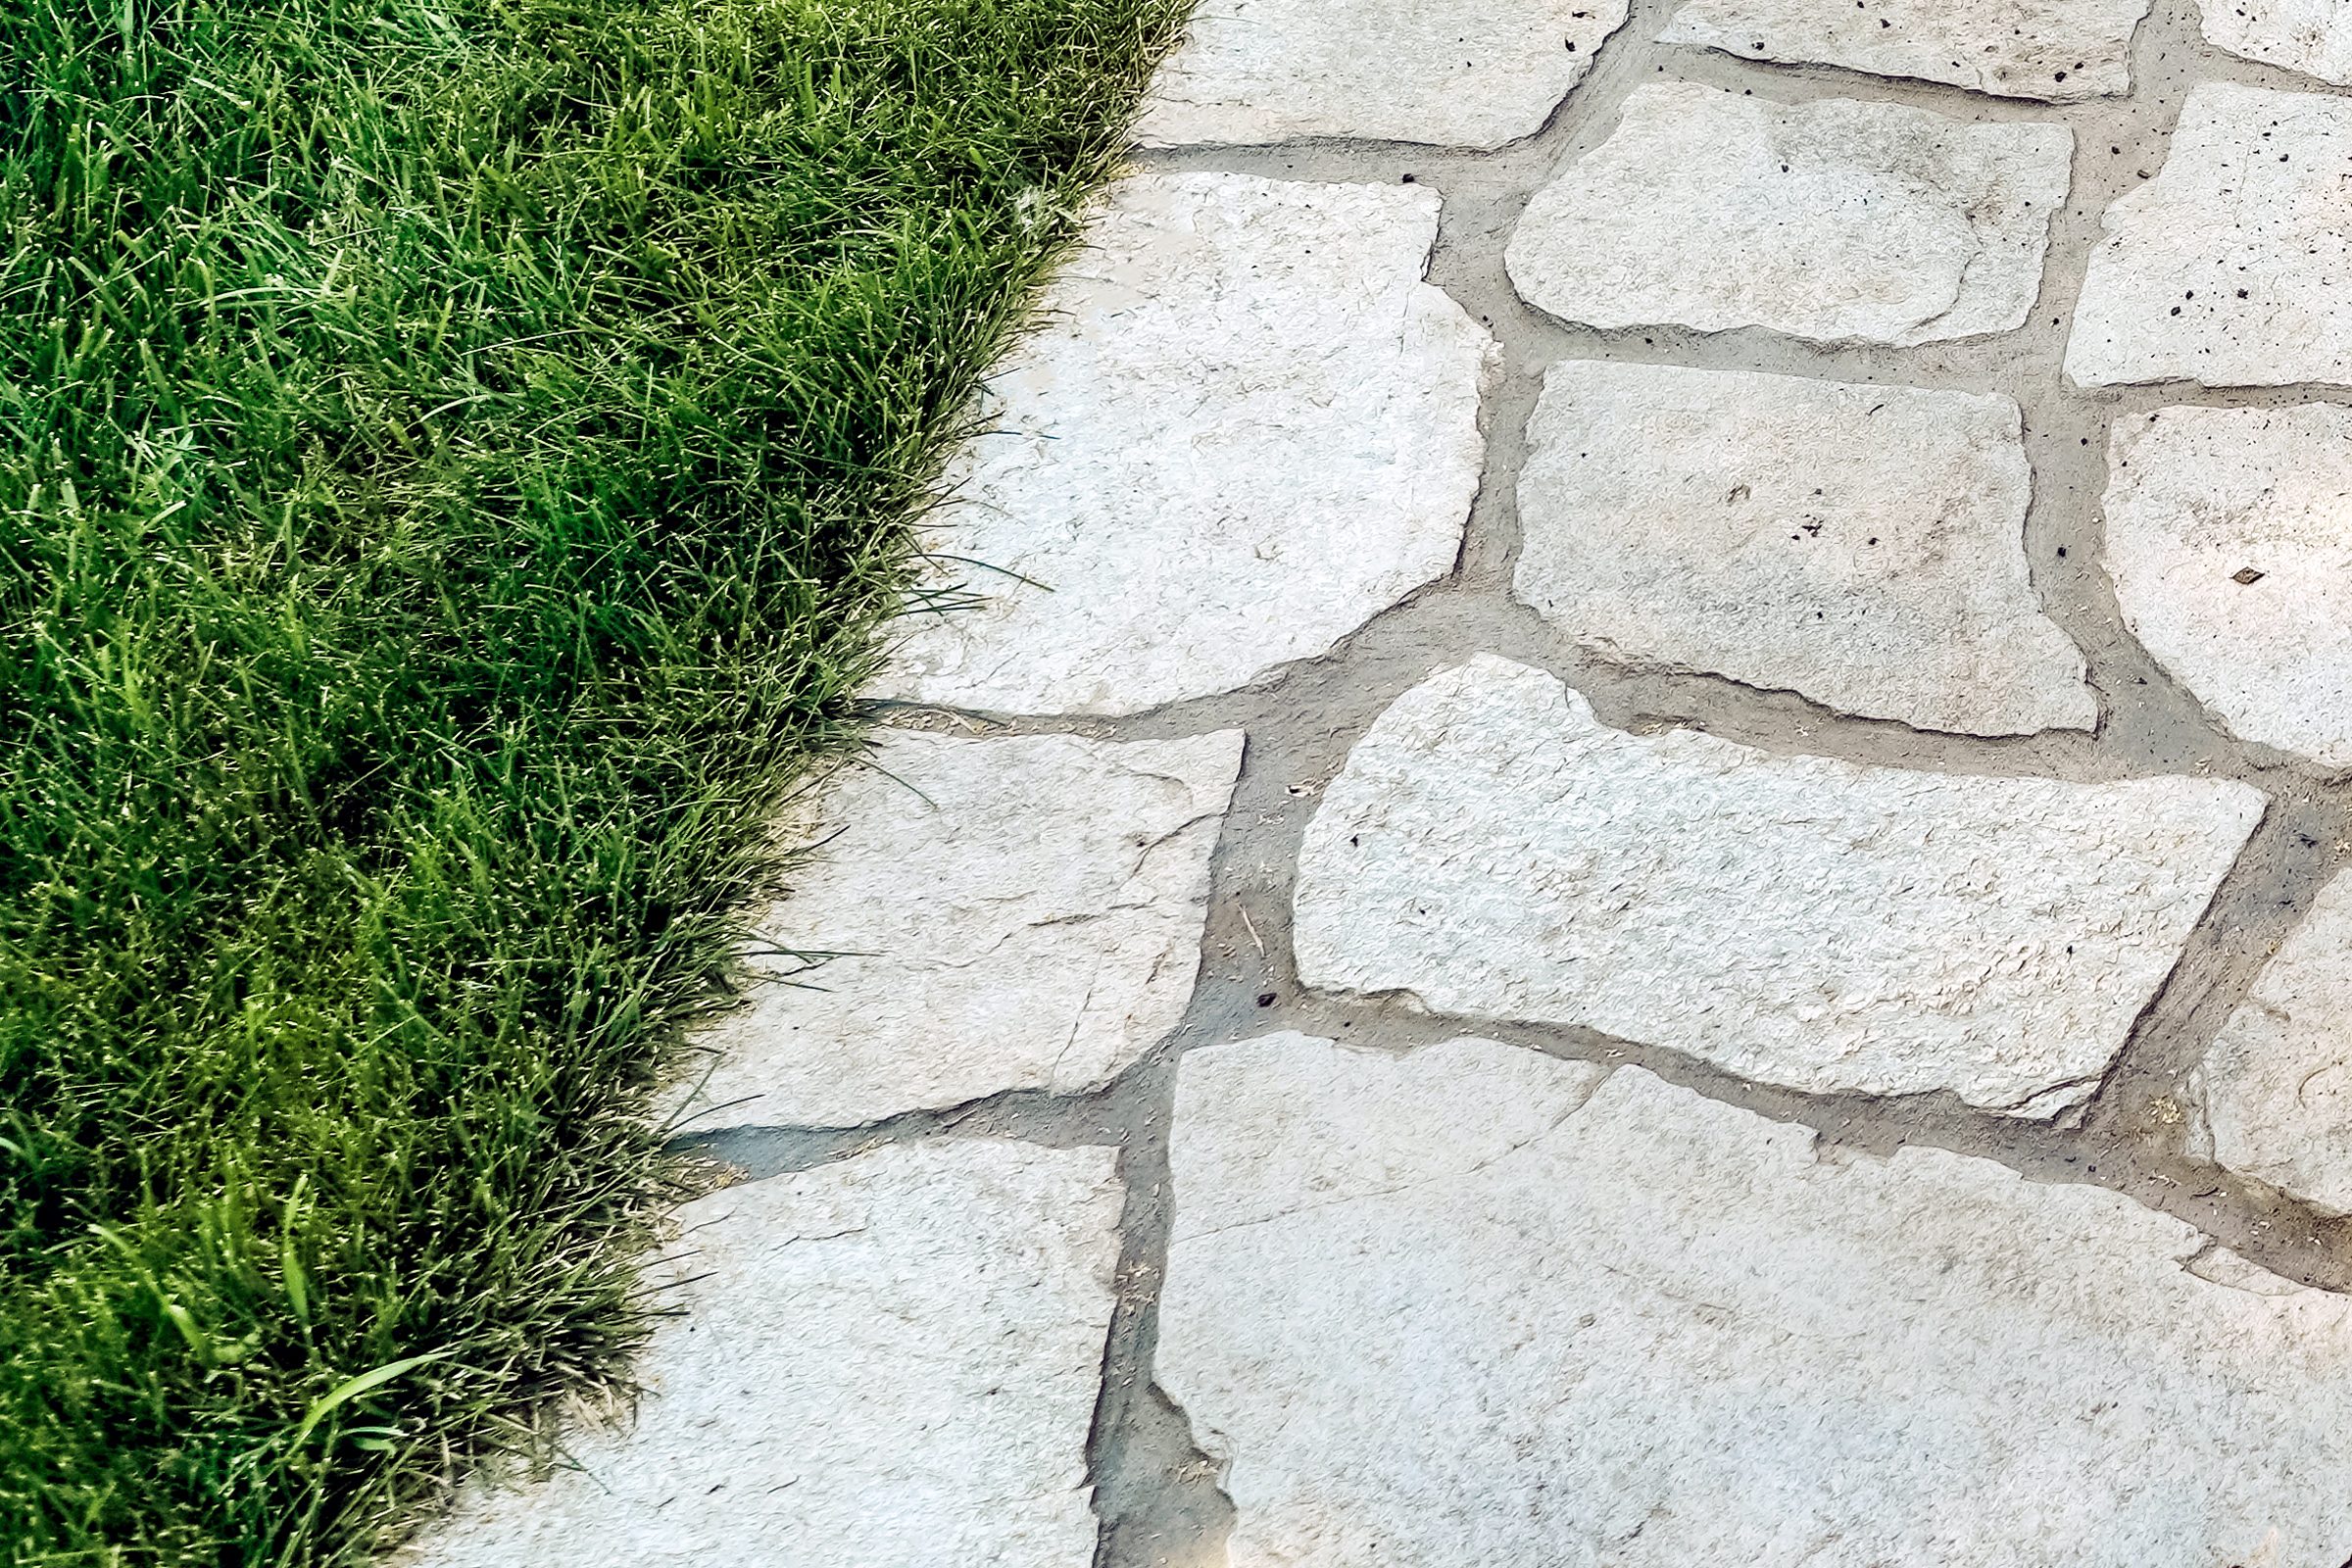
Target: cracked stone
x=1494 y=852
x=2278 y=1080
x=2313 y=36
x=1252 y=71
x=935 y=1313
x=2234 y=265
x=2226 y=540
x=1021 y=914
x=1861 y=545
x=2060 y=51
x=1465 y=1306
x=1835 y=221
x=1248 y=425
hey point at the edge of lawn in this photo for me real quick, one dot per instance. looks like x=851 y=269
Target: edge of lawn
x=183 y=1302
x=494 y=1440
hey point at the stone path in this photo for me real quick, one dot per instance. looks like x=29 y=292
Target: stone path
x=1640 y=857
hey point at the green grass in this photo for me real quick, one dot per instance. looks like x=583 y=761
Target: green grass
x=454 y=462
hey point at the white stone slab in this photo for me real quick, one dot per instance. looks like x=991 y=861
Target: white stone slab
x=1637 y=1329
x=2234 y=265
x=892 y=1362
x=1862 y=545
x=2226 y=540
x=1495 y=851
x=2059 y=51
x=1834 y=220
x=1247 y=426
x=1252 y=71
x=2313 y=36
x=1021 y=914
x=2278 y=1081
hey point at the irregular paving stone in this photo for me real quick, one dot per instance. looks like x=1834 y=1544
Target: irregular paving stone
x=1862 y=545
x=2278 y=1081
x=2313 y=36
x=2234 y=265
x=2060 y=51
x=1420 y=70
x=1248 y=426
x=1017 y=913
x=891 y=1361
x=1461 y=1308
x=1834 y=220
x=2226 y=542
x=1493 y=850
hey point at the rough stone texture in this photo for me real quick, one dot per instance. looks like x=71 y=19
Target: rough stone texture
x=2198 y=499
x=2277 y=1082
x=2060 y=51
x=2234 y=265
x=2313 y=36
x=1248 y=426
x=1419 y=71
x=891 y=1361
x=1493 y=850
x=1863 y=545
x=1643 y=1330
x=1835 y=221
x=1017 y=913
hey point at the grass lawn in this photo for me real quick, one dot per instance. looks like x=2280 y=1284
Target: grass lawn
x=454 y=460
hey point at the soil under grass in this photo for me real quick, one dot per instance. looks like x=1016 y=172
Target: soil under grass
x=454 y=462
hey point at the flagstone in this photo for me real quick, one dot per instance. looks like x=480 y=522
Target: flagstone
x=1861 y=545
x=2058 y=51
x=2226 y=542
x=2313 y=36
x=1480 y=1307
x=1415 y=70
x=1012 y=914
x=1494 y=852
x=1836 y=220
x=891 y=1361
x=1246 y=425
x=2278 y=1081
x=2234 y=265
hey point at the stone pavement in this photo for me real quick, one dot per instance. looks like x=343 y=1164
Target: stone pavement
x=1639 y=859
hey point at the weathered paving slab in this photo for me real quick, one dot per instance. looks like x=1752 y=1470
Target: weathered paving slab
x=1249 y=426
x=2058 y=52
x=2278 y=1081
x=1021 y=914
x=1862 y=545
x=1425 y=1311
x=891 y=1361
x=2313 y=36
x=2234 y=265
x=1836 y=220
x=2226 y=540
x=1493 y=850
x=1252 y=71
